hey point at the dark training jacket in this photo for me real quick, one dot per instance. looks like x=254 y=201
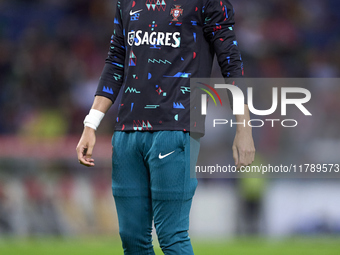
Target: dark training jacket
x=156 y=47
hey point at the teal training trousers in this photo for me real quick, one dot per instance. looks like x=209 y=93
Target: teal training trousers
x=151 y=181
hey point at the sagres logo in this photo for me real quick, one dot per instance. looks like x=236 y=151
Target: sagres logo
x=139 y=37
x=301 y=97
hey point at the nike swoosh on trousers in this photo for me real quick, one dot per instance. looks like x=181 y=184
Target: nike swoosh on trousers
x=163 y=156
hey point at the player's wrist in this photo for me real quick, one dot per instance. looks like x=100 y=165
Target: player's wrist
x=93 y=119
x=244 y=131
x=89 y=129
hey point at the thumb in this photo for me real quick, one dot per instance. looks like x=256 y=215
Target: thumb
x=235 y=155
x=89 y=151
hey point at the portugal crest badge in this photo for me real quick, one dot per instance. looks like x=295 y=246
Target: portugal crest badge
x=176 y=12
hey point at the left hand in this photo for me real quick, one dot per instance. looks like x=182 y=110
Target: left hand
x=243 y=148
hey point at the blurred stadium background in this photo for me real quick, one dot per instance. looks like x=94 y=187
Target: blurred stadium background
x=51 y=56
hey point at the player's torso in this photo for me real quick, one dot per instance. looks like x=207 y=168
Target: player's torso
x=164 y=48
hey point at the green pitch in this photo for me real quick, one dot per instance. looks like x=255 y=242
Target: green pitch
x=105 y=246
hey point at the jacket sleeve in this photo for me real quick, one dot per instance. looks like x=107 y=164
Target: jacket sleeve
x=112 y=75
x=219 y=31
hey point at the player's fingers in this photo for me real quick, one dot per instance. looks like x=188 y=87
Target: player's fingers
x=88 y=153
x=83 y=161
x=86 y=163
x=248 y=158
x=253 y=156
x=88 y=156
x=242 y=157
x=235 y=155
x=251 y=153
x=80 y=151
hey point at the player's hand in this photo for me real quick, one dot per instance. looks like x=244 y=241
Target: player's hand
x=85 y=147
x=243 y=148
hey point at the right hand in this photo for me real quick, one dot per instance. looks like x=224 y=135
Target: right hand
x=85 y=147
